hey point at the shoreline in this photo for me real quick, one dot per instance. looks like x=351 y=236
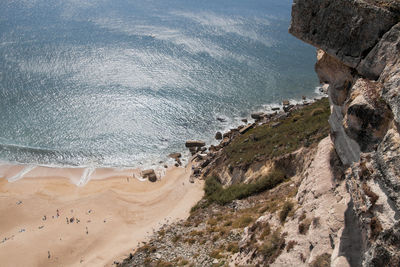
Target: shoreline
x=110 y=215
x=120 y=207
x=79 y=176
x=226 y=124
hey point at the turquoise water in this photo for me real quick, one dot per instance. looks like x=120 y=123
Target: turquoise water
x=124 y=83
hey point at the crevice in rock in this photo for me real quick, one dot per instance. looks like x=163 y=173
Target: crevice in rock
x=351 y=240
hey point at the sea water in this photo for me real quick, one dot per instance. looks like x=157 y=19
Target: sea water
x=123 y=83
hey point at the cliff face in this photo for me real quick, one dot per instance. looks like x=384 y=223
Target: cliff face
x=358 y=60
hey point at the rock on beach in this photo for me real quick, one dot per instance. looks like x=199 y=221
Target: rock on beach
x=150 y=175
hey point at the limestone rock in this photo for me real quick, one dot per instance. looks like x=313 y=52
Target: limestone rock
x=391 y=88
x=367 y=118
x=388 y=158
x=383 y=54
x=347 y=30
x=257 y=115
x=333 y=72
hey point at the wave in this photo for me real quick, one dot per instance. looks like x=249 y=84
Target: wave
x=22 y=154
x=21 y=174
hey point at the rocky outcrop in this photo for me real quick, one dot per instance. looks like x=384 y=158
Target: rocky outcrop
x=150 y=175
x=358 y=60
x=347 y=30
x=318 y=222
x=194 y=143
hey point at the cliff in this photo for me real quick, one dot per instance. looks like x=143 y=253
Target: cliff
x=358 y=60
x=291 y=189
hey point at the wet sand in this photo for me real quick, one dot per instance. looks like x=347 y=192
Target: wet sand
x=111 y=214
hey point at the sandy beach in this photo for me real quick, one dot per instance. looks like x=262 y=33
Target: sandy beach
x=49 y=221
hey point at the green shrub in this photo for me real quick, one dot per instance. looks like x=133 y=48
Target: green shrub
x=290 y=245
x=273 y=246
x=287 y=207
x=266 y=232
x=183 y=262
x=323 y=260
x=304 y=226
x=176 y=238
x=376 y=228
x=282 y=139
x=296 y=118
x=216 y=254
x=214 y=192
x=233 y=247
x=317 y=111
x=302 y=216
x=228 y=223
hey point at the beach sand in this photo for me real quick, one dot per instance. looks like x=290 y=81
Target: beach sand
x=115 y=212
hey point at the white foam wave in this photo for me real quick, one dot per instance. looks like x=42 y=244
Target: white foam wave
x=86 y=176
x=21 y=174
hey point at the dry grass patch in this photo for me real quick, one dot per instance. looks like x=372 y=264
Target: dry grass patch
x=243 y=221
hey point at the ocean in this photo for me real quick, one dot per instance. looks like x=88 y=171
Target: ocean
x=118 y=83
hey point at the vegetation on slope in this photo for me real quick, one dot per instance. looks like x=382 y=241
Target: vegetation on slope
x=211 y=235
x=214 y=192
x=302 y=127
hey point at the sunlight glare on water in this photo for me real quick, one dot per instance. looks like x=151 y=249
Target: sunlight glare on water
x=124 y=83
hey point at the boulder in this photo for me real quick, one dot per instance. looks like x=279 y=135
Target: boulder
x=193 y=150
x=196 y=172
x=285 y=102
x=225 y=141
x=175 y=155
x=150 y=175
x=275 y=108
x=218 y=136
x=227 y=134
x=202 y=156
x=194 y=143
x=245 y=129
x=257 y=115
x=287 y=108
x=244 y=120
